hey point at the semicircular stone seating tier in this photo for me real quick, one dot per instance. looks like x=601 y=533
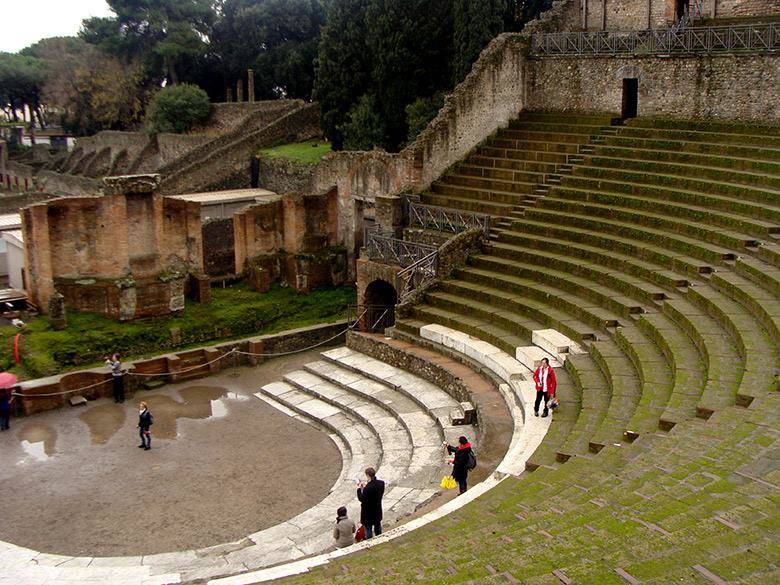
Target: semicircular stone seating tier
x=652 y=245
x=378 y=416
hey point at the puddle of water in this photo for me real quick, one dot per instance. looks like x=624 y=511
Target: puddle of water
x=38 y=441
x=198 y=402
x=104 y=421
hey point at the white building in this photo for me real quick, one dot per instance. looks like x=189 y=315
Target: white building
x=220 y=204
x=12 y=242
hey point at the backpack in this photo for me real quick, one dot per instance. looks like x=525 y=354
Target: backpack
x=151 y=419
x=472 y=461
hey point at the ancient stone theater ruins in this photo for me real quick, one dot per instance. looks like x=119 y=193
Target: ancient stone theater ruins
x=603 y=190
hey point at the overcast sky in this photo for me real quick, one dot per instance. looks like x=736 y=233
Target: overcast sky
x=32 y=20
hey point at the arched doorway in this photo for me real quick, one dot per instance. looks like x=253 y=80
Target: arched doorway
x=379 y=305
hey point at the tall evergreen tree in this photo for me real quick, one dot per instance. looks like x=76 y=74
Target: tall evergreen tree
x=475 y=25
x=343 y=65
x=410 y=42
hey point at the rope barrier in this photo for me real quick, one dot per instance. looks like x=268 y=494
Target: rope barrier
x=235 y=350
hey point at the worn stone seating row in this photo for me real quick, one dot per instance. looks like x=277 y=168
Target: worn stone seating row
x=506 y=172
x=568 y=392
x=665 y=509
x=386 y=418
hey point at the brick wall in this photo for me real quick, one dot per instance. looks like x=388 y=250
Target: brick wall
x=125 y=254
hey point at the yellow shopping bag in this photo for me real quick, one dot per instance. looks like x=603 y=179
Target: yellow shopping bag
x=448 y=482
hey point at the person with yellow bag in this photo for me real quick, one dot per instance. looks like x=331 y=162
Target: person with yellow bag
x=463 y=462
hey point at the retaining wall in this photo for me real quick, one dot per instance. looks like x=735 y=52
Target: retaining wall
x=169 y=367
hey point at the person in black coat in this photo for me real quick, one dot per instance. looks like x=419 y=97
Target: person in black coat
x=460 y=462
x=370 y=496
x=145 y=426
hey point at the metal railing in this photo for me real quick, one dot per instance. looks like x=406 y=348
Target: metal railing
x=444 y=219
x=390 y=250
x=417 y=275
x=759 y=37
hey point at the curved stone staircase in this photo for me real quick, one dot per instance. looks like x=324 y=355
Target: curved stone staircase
x=653 y=245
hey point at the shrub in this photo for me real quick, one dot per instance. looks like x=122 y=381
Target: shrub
x=364 y=128
x=177 y=108
x=420 y=113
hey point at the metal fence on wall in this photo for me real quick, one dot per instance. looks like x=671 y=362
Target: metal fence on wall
x=444 y=219
x=711 y=39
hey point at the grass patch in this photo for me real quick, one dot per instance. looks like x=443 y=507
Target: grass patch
x=310 y=152
x=234 y=312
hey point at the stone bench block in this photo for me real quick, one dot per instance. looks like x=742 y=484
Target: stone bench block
x=555 y=343
x=531 y=357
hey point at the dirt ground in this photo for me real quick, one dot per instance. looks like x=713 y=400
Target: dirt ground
x=223 y=465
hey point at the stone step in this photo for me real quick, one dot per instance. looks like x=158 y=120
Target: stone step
x=443 y=407
x=726 y=240
x=531 y=357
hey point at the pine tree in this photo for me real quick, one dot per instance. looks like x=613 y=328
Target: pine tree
x=410 y=42
x=343 y=66
x=475 y=25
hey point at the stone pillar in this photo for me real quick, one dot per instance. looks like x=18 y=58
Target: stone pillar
x=240 y=90
x=390 y=214
x=228 y=94
x=57 y=316
x=250 y=85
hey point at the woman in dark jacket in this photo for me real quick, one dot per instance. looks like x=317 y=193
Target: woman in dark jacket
x=460 y=462
x=144 y=426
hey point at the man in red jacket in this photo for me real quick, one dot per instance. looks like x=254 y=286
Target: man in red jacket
x=544 y=377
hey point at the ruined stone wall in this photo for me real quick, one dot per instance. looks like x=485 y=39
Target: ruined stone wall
x=283 y=176
x=291 y=238
x=741 y=87
x=204 y=170
x=65 y=184
x=228 y=116
x=743 y=8
x=125 y=254
x=54 y=392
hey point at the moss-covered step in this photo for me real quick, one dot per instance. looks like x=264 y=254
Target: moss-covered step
x=671 y=186
x=628 y=257
x=687 y=246
x=701 y=136
x=497 y=304
x=467 y=204
x=471 y=169
x=705 y=126
x=516 y=277
x=528 y=151
x=759 y=272
x=625 y=393
x=656 y=378
x=593 y=316
x=488 y=184
x=477 y=194
x=761 y=221
x=530 y=165
x=739 y=151
x=726 y=239
x=595 y=393
x=729 y=161
x=767 y=175
x=688 y=367
x=505 y=137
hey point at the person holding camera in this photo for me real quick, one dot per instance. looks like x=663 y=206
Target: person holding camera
x=118 y=376
x=370 y=495
x=463 y=461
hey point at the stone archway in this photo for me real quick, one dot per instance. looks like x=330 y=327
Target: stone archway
x=379 y=302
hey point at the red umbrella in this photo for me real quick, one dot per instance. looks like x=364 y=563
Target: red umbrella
x=7 y=380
